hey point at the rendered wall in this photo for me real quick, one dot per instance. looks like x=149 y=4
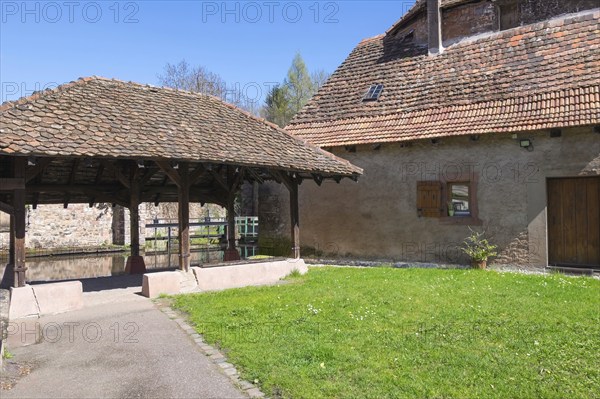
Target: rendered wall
x=376 y=218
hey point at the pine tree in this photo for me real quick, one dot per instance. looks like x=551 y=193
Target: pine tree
x=277 y=106
x=299 y=84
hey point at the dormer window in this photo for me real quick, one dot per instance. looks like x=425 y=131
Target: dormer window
x=373 y=93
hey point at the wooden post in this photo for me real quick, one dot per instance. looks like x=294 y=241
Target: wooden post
x=255 y=189
x=234 y=179
x=231 y=253
x=184 y=217
x=134 y=222
x=231 y=222
x=295 y=219
x=19 y=224
x=135 y=262
x=11 y=239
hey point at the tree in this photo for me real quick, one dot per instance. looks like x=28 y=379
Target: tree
x=277 y=106
x=318 y=79
x=299 y=84
x=198 y=79
x=284 y=101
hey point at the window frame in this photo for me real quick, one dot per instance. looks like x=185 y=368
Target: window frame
x=471 y=180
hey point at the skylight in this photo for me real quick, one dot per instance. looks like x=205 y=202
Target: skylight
x=373 y=92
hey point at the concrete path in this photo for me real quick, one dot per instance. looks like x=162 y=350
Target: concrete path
x=119 y=346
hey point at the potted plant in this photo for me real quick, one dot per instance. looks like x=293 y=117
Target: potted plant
x=450 y=208
x=479 y=249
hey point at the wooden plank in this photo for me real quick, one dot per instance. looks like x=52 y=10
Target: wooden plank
x=581 y=221
x=10 y=184
x=593 y=233
x=555 y=233
x=429 y=198
x=569 y=207
x=184 y=217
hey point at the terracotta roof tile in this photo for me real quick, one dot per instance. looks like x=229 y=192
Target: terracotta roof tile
x=98 y=117
x=537 y=76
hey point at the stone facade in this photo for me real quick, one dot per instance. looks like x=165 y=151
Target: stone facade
x=377 y=217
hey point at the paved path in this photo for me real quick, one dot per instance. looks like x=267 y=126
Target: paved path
x=141 y=353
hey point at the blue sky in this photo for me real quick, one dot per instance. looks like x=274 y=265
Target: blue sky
x=248 y=43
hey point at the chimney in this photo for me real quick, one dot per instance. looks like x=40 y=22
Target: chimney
x=434 y=27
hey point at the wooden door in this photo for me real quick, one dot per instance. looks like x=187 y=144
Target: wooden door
x=574 y=221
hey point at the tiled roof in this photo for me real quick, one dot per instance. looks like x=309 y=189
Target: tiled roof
x=543 y=75
x=98 y=117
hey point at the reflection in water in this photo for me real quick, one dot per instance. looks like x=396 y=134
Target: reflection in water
x=52 y=268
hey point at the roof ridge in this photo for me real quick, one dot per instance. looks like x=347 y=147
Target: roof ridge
x=371 y=39
x=42 y=93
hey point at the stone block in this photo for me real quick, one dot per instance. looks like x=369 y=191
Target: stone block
x=247 y=274
x=56 y=298
x=155 y=284
x=23 y=303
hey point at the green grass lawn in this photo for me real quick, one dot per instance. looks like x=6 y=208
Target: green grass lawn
x=410 y=333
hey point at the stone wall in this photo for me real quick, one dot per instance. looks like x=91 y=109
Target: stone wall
x=376 y=218
x=79 y=226
x=468 y=20
x=485 y=16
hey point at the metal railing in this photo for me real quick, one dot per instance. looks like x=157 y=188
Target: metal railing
x=204 y=233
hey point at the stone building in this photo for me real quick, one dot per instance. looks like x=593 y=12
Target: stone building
x=464 y=114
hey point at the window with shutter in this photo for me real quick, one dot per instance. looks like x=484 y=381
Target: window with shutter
x=429 y=199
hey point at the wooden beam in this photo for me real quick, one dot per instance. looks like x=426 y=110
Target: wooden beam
x=6 y=208
x=281 y=177
x=237 y=179
x=197 y=173
x=217 y=177
x=318 y=179
x=71 y=180
x=76 y=188
x=99 y=173
x=38 y=169
x=10 y=184
x=184 y=217
x=255 y=175
x=117 y=172
x=145 y=178
x=157 y=198
x=169 y=171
